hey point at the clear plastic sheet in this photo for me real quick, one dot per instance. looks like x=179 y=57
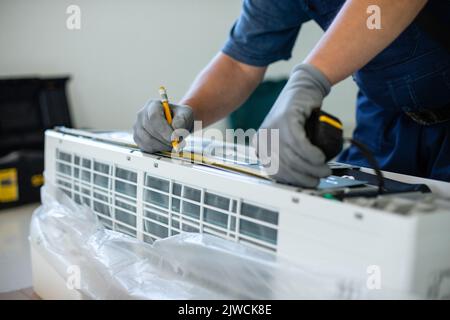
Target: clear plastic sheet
x=186 y=266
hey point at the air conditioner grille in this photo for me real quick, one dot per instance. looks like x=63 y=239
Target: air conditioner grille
x=168 y=207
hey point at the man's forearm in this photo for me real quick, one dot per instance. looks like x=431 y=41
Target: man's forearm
x=222 y=87
x=349 y=44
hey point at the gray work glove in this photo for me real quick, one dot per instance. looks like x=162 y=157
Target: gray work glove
x=300 y=162
x=152 y=133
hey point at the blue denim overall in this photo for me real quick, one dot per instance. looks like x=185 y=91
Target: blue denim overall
x=397 y=88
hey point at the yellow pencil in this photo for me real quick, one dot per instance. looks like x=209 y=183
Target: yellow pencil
x=167 y=112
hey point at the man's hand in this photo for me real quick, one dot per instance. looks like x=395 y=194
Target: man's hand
x=300 y=162
x=152 y=133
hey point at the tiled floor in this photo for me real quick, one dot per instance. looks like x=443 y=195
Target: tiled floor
x=15 y=261
x=24 y=294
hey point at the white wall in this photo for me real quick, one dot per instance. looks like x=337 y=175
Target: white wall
x=126 y=49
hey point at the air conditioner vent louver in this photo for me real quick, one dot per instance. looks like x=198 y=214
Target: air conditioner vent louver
x=168 y=207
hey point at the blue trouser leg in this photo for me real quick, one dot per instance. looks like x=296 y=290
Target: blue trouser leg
x=437 y=147
x=399 y=144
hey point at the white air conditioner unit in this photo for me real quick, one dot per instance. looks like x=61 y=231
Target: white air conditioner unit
x=151 y=197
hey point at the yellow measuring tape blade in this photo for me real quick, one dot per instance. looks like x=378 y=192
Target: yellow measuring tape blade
x=331 y=122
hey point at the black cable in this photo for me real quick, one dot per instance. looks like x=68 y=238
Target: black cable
x=365 y=151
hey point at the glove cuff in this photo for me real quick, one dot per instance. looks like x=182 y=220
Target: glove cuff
x=316 y=76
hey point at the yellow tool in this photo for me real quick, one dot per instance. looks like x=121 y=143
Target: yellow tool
x=325 y=131
x=167 y=112
x=9 y=188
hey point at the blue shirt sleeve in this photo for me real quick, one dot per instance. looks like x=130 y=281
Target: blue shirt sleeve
x=265 y=32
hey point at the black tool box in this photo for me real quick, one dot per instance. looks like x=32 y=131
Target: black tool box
x=28 y=107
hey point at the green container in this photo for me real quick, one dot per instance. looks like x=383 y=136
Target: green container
x=252 y=113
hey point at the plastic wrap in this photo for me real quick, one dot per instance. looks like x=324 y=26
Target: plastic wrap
x=186 y=266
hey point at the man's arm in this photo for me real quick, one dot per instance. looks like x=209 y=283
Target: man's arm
x=222 y=87
x=349 y=44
